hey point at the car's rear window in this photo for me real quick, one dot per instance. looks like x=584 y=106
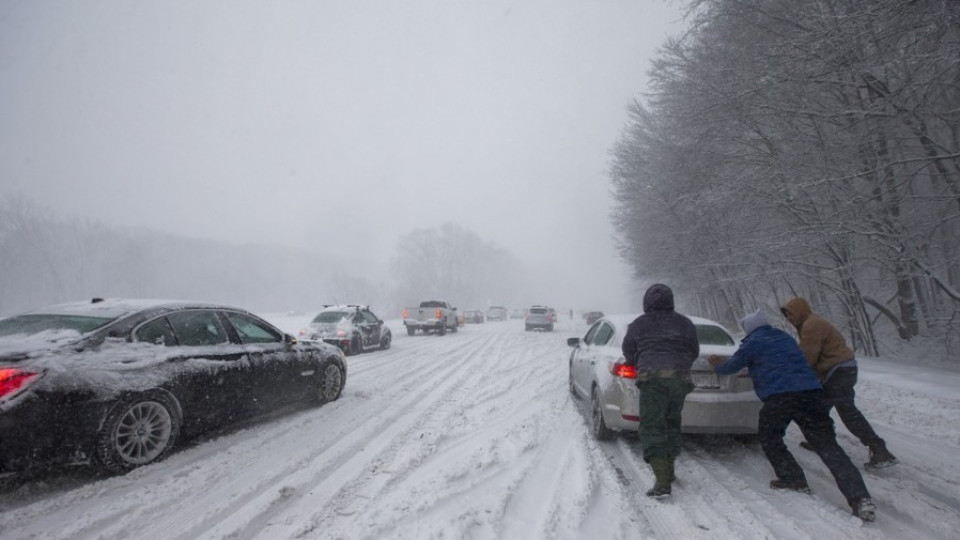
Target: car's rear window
x=538 y=311
x=709 y=334
x=34 y=324
x=331 y=317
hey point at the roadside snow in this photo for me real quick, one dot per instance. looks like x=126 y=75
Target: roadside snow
x=475 y=435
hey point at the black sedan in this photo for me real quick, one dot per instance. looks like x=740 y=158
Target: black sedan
x=114 y=383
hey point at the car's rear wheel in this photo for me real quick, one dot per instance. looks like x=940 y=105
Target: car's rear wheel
x=443 y=328
x=455 y=327
x=355 y=347
x=137 y=431
x=597 y=426
x=411 y=330
x=385 y=342
x=331 y=381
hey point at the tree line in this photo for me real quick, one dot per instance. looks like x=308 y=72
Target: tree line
x=47 y=259
x=802 y=148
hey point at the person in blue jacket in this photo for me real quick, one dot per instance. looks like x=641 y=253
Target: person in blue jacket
x=791 y=392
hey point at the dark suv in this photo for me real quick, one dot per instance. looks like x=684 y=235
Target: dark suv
x=353 y=328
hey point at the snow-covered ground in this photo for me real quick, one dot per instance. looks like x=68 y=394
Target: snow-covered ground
x=474 y=435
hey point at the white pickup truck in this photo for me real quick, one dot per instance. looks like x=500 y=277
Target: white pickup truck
x=430 y=316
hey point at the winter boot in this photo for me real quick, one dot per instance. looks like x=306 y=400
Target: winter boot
x=799 y=486
x=671 y=472
x=880 y=458
x=864 y=509
x=661 y=470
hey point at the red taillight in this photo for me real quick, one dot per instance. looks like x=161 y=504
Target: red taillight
x=439 y=314
x=13 y=380
x=341 y=333
x=624 y=371
x=404 y=313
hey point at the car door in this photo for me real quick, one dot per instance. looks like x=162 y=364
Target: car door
x=371 y=327
x=278 y=374
x=581 y=359
x=599 y=353
x=206 y=366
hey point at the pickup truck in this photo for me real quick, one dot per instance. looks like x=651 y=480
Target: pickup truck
x=430 y=316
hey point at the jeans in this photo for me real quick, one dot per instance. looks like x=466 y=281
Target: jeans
x=839 y=393
x=812 y=414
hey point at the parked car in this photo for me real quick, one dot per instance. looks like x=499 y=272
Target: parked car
x=353 y=328
x=431 y=316
x=592 y=316
x=718 y=404
x=538 y=317
x=496 y=313
x=518 y=313
x=473 y=316
x=115 y=383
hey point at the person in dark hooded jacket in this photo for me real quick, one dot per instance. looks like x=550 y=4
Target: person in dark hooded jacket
x=662 y=344
x=791 y=392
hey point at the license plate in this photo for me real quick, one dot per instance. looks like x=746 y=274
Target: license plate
x=705 y=380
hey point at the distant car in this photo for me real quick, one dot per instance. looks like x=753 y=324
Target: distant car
x=538 y=317
x=517 y=313
x=718 y=404
x=592 y=316
x=553 y=314
x=353 y=328
x=473 y=316
x=496 y=313
x=114 y=383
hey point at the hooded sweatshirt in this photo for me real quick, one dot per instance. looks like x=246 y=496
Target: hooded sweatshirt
x=661 y=338
x=821 y=343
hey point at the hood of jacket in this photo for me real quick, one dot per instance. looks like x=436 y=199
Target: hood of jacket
x=799 y=307
x=658 y=297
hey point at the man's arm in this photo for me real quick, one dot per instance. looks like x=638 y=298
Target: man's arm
x=629 y=346
x=811 y=340
x=733 y=364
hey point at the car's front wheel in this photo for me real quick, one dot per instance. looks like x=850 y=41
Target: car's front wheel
x=355 y=346
x=331 y=381
x=597 y=426
x=385 y=341
x=137 y=431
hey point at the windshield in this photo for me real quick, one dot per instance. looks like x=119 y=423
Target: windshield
x=34 y=324
x=713 y=335
x=331 y=317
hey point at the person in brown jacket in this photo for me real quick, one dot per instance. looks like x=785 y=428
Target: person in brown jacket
x=834 y=363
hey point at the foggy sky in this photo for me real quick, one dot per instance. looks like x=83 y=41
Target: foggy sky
x=333 y=123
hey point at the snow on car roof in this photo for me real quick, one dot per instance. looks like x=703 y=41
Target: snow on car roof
x=112 y=307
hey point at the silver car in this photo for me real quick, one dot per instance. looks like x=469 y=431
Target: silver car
x=539 y=317
x=719 y=404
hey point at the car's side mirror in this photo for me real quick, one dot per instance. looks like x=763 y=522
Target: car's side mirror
x=289 y=340
x=573 y=342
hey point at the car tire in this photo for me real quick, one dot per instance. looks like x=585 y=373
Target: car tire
x=411 y=330
x=598 y=428
x=137 y=431
x=443 y=329
x=550 y=328
x=330 y=385
x=385 y=341
x=355 y=346
x=455 y=328
x=573 y=389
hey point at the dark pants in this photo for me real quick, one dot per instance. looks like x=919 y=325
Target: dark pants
x=839 y=393
x=661 y=405
x=809 y=410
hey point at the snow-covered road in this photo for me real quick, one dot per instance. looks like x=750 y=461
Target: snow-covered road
x=474 y=435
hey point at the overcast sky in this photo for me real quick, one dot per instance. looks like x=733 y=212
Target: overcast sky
x=313 y=123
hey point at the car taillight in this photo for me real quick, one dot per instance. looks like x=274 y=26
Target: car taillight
x=404 y=313
x=624 y=371
x=14 y=380
x=439 y=314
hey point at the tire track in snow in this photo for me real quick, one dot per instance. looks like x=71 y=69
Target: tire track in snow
x=282 y=512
